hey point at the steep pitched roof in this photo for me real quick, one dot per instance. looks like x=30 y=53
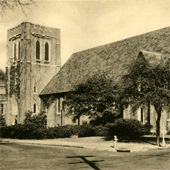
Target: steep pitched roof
x=115 y=59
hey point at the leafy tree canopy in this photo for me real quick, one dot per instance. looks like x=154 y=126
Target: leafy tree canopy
x=92 y=98
x=147 y=84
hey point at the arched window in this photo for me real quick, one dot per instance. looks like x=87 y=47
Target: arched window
x=37 y=50
x=19 y=50
x=46 y=51
x=15 y=55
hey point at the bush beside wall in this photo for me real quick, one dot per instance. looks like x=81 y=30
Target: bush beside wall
x=29 y=131
x=124 y=129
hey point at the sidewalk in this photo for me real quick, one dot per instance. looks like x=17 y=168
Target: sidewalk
x=97 y=143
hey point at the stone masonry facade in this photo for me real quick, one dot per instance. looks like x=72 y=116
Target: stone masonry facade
x=33 y=58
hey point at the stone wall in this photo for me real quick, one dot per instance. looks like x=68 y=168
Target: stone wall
x=164 y=123
x=57 y=114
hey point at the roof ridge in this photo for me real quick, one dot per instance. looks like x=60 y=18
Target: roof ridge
x=103 y=45
x=123 y=55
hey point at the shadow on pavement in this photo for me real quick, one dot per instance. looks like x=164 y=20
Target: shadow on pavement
x=90 y=163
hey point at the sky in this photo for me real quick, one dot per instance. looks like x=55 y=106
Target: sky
x=86 y=24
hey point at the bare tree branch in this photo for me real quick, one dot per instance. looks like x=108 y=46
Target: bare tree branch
x=6 y=5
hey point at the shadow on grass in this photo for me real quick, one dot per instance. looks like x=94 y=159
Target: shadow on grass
x=6 y=143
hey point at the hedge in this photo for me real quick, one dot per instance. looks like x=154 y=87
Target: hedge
x=124 y=129
x=30 y=131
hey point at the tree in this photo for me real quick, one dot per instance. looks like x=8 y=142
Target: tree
x=12 y=4
x=108 y=116
x=93 y=98
x=147 y=84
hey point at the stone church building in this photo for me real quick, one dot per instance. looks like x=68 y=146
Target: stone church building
x=34 y=70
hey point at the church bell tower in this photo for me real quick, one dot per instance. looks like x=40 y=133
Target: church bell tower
x=33 y=58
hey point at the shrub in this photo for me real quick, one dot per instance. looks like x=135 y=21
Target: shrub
x=51 y=134
x=146 y=129
x=125 y=129
x=69 y=130
x=100 y=130
x=30 y=131
x=40 y=133
x=63 y=131
x=14 y=131
x=39 y=120
x=85 y=131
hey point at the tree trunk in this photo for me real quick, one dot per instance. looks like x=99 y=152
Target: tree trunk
x=158 y=126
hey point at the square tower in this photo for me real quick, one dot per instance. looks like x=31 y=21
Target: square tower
x=33 y=58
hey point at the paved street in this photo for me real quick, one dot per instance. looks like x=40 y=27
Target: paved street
x=20 y=156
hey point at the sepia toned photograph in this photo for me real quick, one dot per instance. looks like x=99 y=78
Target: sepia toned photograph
x=84 y=84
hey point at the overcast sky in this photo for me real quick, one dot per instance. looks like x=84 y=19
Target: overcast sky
x=86 y=24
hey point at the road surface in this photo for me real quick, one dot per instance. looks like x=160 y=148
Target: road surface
x=21 y=157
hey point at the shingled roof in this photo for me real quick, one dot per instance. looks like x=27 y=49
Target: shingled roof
x=115 y=59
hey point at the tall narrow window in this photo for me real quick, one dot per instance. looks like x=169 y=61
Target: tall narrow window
x=1 y=109
x=18 y=50
x=149 y=113
x=35 y=89
x=59 y=105
x=46 y=51
x=141 y=111
x=15 y=54
x=37 y=50
x=34 y=108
